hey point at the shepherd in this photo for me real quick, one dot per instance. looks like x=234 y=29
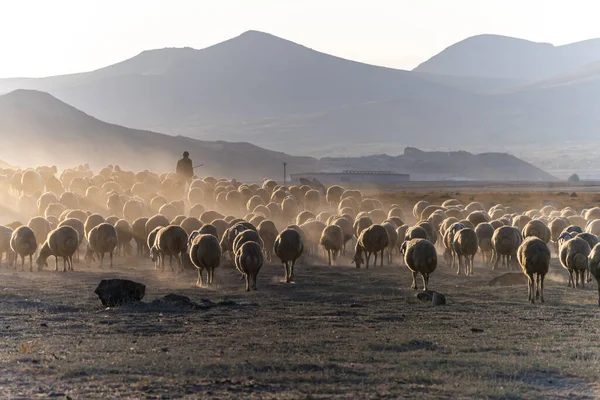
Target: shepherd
x=185 y=168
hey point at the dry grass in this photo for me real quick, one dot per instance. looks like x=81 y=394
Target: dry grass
x=337 y=332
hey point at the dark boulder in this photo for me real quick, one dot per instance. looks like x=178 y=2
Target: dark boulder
x=115 y=292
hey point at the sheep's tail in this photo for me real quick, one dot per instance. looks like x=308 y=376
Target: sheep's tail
x=580 y=261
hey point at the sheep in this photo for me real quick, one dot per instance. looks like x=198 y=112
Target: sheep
x=249 y=260
x=102 y=239
x=393 y=239
x=360 y=224
x=138 y=228
x=465 y=244
x=430 y=229
x=557 y=226
x=538 y=229
x=372 y=240
x=346 y=225
x=520 y=221
x=248 y=235
x=5 y=236
x=268 y=233
x=62 y=242
x=506 y=241
x=420 y=257
x=91 y=222
x=332 y=240
x=478 y=217
x=484 y=232
x=209 y=229
x=205 y=254
x=416 y=232
x=312 y=200
x=312 y=235
x=419 y=207
x=125 y=235
x=594 y=266
x=534 y=257
x=574 y=258
x=41 y=227
x=288 y=247
x=170 y=241
x=24 y=243
x=334 y=195
x=78 y=226
x=156 y=221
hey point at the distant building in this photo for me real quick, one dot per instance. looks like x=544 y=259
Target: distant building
x=354 y=177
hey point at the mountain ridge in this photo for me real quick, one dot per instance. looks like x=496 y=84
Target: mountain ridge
x=54 y=132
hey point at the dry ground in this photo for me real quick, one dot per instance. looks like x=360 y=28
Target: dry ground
x=303 y=340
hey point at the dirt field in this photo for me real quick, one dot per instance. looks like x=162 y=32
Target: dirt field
x=337 y=332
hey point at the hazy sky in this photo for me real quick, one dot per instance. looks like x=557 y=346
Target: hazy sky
x=48 y=37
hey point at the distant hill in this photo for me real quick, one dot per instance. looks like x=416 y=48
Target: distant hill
x=439 y=165
x=502 y=57
x=38 y=128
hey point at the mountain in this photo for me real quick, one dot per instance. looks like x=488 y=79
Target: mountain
x=250 y=77
x=502 y=57
x=437 y=165
x=37 y=126
x=261 y=89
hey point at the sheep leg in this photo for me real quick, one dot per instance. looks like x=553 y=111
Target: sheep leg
x=423 y=275
x=292 y=264
x=460 y=264
x=530 y=295
x=414 y=281
x=211 y=277
x=161 y=260
x=381 y=262
x=30 y=263
x=497 y=262
x=247 y=282
x=255 y=275
x=571 y=282
x=589 y=276
x=200 y=281
x=329 y=255
x=582 y=277
x=375 y=263
x=71 y=264
x=55 y=264
x=472 y=262
x=368 y=256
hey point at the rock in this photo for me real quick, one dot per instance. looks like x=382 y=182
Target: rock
x=425 y=296
x=438 y=299
x=574 y=194
x=115 y=292
x=179 y=301
x=509 y=279
x=476 y=330
x=433 y=297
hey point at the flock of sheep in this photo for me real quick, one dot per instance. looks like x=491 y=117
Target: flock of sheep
x=201 y=223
